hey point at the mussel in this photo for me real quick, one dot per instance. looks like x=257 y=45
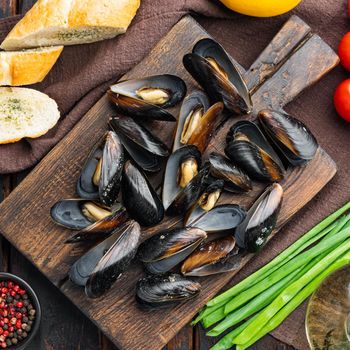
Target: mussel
x=103 y=264
x=93 y=219
x=145 y=149
x=261 y=220
x=139 y=198
x=193 y=107
x=235 y=179
x=290 y=135
x=156 y=291
x=182 y=166
x=217 y=256
x=222 y=217
x=212 y=68
x=190 y=193
x=198 y=127
x=166 y=249
x=148 y=97
x=101 y=174
x=249 y=149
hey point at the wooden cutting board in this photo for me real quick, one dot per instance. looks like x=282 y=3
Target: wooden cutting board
x=294 y=60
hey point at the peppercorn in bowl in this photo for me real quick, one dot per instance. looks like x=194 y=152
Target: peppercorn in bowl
x=20 y=312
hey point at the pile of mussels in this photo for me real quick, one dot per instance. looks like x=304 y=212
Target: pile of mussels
x=213 y=238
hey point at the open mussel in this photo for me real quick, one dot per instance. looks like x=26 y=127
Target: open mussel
x=193 y=107
x=165 y=250
x=101 y=173
x=190 y=193
x=102 y=265
x=92 y=219
x=145 y=149
x=182 y=166
x=290 y=135
x=139 y=198
x=261 y=220
x=217 y=256
x=165 y=290
x=223 y=217
x=249 y=149
x=235 y=179
x=198 y=126
x=212 y=68
x=148 y=97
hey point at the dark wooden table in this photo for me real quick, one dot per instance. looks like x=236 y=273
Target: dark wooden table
x=63 y=326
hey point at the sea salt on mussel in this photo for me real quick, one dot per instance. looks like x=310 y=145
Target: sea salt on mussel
x=101 y=173
x=166 y=249
x=217 y=256
x=157 y=291
x=290 y=135
x=249 y=149
x=143 y=147
x=103 y=264
x=261 y=220
x=148 y=97
x=193 y=107
x=235 y=179
x=210 y=65
x=139 y=198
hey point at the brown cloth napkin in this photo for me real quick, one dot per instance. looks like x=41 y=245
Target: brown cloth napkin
x=83 y=73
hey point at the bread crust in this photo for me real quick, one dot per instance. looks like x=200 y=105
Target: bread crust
x=66 y=22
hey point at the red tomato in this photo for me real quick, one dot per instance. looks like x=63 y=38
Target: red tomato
x=342 y=99
x=344 y=51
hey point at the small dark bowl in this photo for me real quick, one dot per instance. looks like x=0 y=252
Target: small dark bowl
x=4 y=276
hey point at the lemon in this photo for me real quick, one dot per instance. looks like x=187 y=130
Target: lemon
x=261 y=8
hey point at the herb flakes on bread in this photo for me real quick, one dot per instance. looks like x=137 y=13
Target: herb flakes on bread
x=25 y=113
x=70 y=22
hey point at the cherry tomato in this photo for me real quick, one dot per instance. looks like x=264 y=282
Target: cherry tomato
x=342 y=99
x=344 y=51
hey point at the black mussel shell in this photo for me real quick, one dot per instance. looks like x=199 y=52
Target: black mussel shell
x=101 y=173
x=223 y=217
x=249 y=149
x=148 y=97
x=102 y=228
x=212 y=68
x=139 y=198
x=165 y=290
x=165 y=250
x=174 y=168
x=114 y=261
x=261 y=220
x=190 y=194
x=290 y=135
x=81 y=270
x=206 y=201
x=145 y=149
x=235 y=179
x=196 y=103
x=217 y=256
x=77 y=214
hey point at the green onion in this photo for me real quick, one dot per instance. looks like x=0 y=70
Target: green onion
x=294 y=288
x=286 y=255
x=298 y=299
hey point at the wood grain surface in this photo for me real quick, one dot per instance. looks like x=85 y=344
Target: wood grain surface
x=24 y=215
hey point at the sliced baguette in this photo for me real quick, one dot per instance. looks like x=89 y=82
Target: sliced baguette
x=70 y=22
x=28 y=66
x=25 y=113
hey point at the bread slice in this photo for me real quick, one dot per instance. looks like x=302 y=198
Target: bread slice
x=27 y=66
x=70 y=22
x=25 y=113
